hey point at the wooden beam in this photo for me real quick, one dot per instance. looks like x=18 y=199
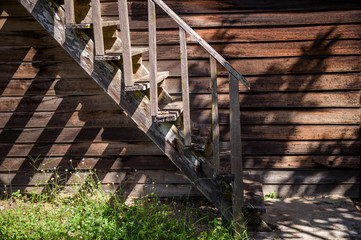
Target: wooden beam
x=69 y=11
x=203 y=43
x=127 y=54
x=153 y=58
x=215 y=120
x=166 y=136
x=185 y=88
x=98 y=28
x=236 y=155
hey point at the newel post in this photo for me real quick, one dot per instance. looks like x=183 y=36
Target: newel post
x=236 y=155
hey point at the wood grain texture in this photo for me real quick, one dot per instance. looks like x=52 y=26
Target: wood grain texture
x=314 y=126
x=87 y=149
x=266 y=34
x=185 y=88
x=135 y=104
x=346 y=147
x=303 y=82
x=259 y=19
x=267 y=66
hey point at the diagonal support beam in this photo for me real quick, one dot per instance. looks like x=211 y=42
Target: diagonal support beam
x=165 y=135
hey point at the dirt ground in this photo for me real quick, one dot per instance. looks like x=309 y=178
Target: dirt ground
x=327 y=217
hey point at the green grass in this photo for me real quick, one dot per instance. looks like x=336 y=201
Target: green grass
x=93 y=214
x=271 y=195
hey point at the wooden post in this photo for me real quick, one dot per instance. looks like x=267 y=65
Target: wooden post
x=152 y=59
x=69 y=11
x=236 y=155
x=98 y=28
x=215 y=122
x=127 y=54
x=185 y=88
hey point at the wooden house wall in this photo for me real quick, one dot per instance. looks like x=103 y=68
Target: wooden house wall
x=300 y=120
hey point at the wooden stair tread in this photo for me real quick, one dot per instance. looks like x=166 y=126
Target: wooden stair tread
x=253 y=196
x=170 y=112
x=90 y=25
x=118 y=55
x=142 y=84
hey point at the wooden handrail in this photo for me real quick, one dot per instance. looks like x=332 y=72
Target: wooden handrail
x=235 y=123
x=203 y=43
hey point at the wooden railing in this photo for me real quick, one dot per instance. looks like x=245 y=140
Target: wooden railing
x=234 y=77
x=184 y=29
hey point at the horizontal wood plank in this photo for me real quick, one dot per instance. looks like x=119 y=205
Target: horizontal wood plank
x=256 y=19
x=283 y=100
x=113 y=118
x=228 y=35
x=198 y=101
x=296 y=147
x=213 y=6
x=158 y=162
x=72 y=135
x=266 y=66
x=42 y=70
x=29 y=54
x=331 y=176
x=310 y=82
x=301 y=162
x=49 y=87
x=116 y=118
x=87 y=149
x=142 y=162
x=24 y=38
x=295 y=132
x=269 y=49
x=57 y=103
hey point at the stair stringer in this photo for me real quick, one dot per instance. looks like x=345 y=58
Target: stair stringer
x=165 y=135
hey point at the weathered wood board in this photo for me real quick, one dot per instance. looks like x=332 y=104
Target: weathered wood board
x=300 y=120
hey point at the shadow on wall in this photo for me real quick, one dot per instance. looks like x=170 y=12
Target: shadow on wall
x=55 y=120
x=300 y=121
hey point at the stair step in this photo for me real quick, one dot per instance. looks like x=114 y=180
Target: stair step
x=253 y=196
x=170 y=112
x=118 y=55
x=142 y=84
x=200 y=138
x=90 y=25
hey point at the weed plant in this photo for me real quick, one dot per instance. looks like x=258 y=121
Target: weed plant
x=92 y=213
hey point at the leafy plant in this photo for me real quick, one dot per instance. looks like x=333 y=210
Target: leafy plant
x=271 y=195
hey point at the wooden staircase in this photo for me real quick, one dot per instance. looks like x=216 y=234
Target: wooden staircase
x=108 y=57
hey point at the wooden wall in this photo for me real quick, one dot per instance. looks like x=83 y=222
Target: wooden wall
x=300 y=121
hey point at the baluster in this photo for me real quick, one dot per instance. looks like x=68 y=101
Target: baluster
x=125 y=34
x=69 y=11
x=185 y=88
x=152 y=59
x=236 y=154
x=98 y=28
x=215 y=122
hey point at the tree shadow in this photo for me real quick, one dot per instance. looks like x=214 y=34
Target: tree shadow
x=55 y=120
